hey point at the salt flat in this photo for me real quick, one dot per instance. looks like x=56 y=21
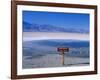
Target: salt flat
x=28 y=36
x=53 y=60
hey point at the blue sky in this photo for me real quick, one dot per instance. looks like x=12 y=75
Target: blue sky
x=66 y=20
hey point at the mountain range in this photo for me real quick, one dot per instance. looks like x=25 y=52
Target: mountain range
x=28 y=27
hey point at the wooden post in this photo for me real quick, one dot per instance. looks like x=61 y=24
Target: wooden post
x=62 y=58
x=62 y=50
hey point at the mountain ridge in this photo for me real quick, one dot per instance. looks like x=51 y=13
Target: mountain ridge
x=28 y=27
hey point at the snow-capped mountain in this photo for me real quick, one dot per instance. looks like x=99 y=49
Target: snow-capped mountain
x=27 y=27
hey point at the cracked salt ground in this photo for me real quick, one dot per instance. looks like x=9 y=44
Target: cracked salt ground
x=53 y=60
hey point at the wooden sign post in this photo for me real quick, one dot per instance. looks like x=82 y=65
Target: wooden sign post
x=62 y=50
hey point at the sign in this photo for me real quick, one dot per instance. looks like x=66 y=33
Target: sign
x=62 y=50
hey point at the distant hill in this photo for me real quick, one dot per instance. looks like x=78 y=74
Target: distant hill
x=27 y=27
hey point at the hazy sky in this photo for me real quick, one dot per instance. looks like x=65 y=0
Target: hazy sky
x=73 y=20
